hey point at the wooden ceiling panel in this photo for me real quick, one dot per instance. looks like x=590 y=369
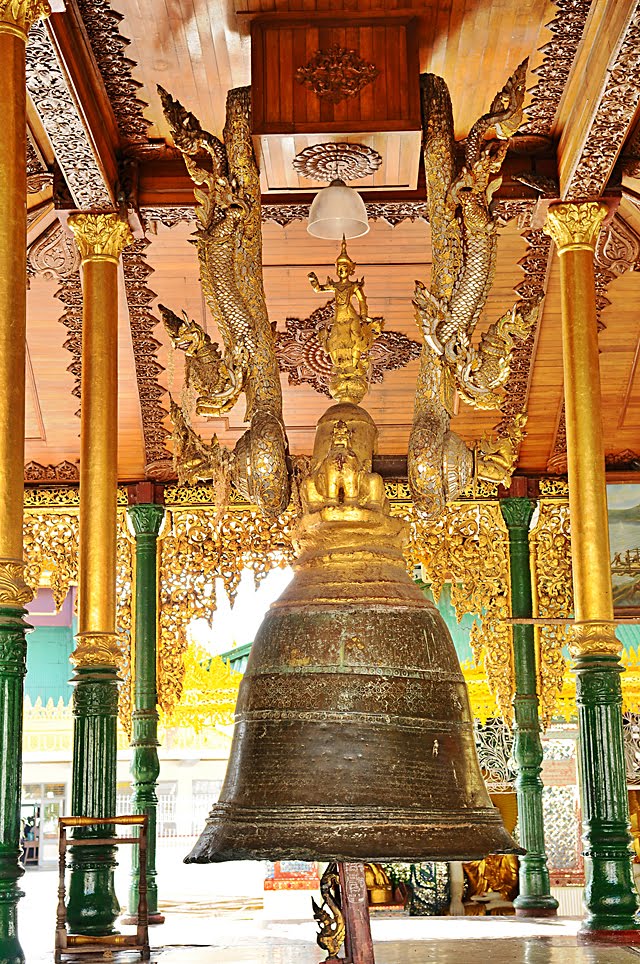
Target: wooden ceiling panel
x=53 y=429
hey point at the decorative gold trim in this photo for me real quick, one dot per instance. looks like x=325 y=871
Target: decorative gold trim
x=575 y=226
x=100 y=237
x=96 y=649
x=14 y=591
x=18 y=16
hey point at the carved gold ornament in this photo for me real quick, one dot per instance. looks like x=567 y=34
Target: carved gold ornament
x=14 y=590
x=304 y=359
x=18 y=16
x=575 y=226
x=550 y=556
x=594 y=639
x=208 y=695
x=336 y=73
x=96 y=649
x=470 y=546
x=100 y=236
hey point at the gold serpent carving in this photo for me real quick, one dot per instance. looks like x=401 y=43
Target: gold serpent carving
x=18 y=16
x=229 y=243
x=100 y=235
x=331 y=922
x=470 y=547
x=550 y=554
x=464 y=243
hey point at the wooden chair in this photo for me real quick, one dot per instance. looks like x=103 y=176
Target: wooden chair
x=70 y=945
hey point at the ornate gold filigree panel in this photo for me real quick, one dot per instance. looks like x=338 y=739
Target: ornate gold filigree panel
x=51 y=558
x=550 y=551
x=198 y=547
x=470 y=547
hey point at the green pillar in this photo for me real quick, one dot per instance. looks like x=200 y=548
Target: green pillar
x=13 y=666
x=534 y=899
x=145 y=767
x=610 y=894
x=93 y=906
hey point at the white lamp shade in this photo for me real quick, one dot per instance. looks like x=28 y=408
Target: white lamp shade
x=337 y=211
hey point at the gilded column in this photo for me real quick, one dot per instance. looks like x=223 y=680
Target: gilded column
x=93 y=906
x=534 y=899
x=16 y=19
x=610 y=895
x=145 y=767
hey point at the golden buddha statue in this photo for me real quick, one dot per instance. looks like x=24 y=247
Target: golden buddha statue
x=379 y=887
x=350 y=336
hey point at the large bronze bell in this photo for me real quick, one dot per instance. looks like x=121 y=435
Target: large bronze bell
x=354 y=738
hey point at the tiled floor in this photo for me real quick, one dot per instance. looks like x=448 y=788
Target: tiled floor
x=214 y=916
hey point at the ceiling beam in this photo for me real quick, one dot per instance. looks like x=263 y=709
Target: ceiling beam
x=600 y=100
x=164 y=182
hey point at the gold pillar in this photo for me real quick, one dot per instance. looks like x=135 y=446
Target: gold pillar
x=93 y=906
x=575 y=228
x=610 y=894
x=101 y=239
x=16 y=18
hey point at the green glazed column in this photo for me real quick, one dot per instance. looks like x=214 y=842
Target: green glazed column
x=534 y=899
x=145 y=767
x=611 y=898
x=16 y=19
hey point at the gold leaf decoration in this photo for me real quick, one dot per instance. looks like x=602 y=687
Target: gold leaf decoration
x=209 y=692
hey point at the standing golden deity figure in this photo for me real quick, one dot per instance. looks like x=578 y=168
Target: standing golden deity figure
x=349 y=338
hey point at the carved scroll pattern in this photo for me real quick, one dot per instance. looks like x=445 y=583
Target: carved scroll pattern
x=550 y=551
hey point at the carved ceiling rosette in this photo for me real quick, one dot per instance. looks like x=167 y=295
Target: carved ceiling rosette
x=302 y=357
x=324 y=162
x=336 y=74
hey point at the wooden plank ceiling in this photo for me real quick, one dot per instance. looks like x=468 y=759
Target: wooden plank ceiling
x=198 y=49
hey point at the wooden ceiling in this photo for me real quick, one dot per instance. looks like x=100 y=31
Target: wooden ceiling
x=198 y=49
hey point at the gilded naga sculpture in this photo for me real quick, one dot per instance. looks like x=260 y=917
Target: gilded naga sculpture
x=229 y=243
x=464 y=242
x=350 y=336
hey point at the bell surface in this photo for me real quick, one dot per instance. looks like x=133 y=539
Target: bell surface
x=354 y=736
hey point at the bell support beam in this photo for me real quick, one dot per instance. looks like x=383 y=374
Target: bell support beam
x=93 y=906
x=146 y=520
x=16 y=19
x=610 y=895
x=535 y=898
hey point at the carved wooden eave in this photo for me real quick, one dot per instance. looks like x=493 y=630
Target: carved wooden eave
x=86 y=162
x=158 y=460
x=601 y=99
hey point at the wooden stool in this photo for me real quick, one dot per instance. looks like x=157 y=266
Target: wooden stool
x=70 y=945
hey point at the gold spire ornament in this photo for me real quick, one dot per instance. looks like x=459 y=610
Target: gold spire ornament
x=348 y=339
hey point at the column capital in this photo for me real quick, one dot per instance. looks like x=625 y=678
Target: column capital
x=96 y=649
x=146 y=519
x=594 y=638
x=100 y=237
x=14 y=592
x=18 y=16
x=517 y=512
x=575 y=225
